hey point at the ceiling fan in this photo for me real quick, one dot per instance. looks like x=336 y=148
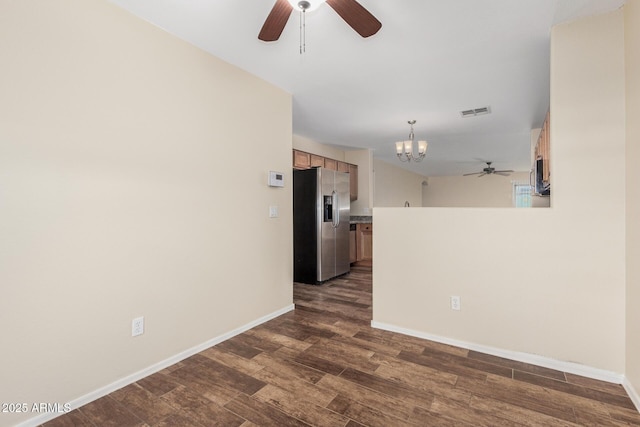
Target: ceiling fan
x=490 y=171
x=353 y=13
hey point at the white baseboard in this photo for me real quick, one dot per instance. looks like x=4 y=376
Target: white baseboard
x=546 y=362
x=103 y=391
x=633 y=394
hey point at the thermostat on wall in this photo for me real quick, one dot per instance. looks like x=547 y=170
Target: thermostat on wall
x=276 y=179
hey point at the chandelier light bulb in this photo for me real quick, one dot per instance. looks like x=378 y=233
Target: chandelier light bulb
x=422 y=147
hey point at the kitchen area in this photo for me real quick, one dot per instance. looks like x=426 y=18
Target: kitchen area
x=327 y=237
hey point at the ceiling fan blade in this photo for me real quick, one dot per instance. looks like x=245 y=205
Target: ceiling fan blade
x=506 y=171
x=474 y=173
x=482 y=174
x=275 y=22
x=502 y=173
x=354 y=14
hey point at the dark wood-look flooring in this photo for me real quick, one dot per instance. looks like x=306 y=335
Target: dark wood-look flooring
x=323 y=365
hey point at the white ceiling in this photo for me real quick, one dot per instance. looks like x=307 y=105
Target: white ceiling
x=431 y=60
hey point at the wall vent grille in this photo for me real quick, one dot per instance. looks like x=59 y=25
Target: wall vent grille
x=475 y=112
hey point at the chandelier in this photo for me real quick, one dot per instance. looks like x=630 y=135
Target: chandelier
x=404 y=149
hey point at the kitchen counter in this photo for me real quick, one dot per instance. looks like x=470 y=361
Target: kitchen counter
x=361 y=219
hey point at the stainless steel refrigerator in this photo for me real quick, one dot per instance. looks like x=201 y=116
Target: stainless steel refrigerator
x=321 y=212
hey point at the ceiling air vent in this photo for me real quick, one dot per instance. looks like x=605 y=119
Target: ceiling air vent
x=475 y=112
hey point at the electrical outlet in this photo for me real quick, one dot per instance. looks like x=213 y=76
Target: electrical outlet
x=455 y=302
x=137 y=326
x=273 y=212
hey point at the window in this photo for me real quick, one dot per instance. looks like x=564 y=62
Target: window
x=521 y=195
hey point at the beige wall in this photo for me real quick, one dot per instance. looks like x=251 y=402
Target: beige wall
x=394 y=185
x=546 y=282
x=632 y=48
x=364 y=160
x=472 y=191
x=120 y=197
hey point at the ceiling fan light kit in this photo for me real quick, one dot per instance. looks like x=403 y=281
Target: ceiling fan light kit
x=404 y=149
x=306 y=5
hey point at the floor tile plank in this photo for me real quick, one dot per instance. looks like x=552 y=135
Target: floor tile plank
x=515 y=365
x=443 y=366
x=398 y=408
x=577 y=390
x=301 y=408
x=466 y=414
x=364 y=415
x=292 y=383
x=215 y=415
x=595 y=384
x=142 y=403
x=232 y=360
x=108 y=412
x=260 y=413
x=515 y=414
x=524 y=395
x=288 y=366
x=390 y=388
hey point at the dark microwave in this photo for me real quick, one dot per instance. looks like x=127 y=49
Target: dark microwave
x=541 y=188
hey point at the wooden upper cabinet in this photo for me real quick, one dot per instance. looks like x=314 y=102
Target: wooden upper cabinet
x=317 y=161
x=543 y=150
x=353 y=182
x=331 y=164
x=304 y=160
x=301 y=160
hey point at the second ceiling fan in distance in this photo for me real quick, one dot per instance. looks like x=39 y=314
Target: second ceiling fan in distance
x=490 y=170
x=353 y=13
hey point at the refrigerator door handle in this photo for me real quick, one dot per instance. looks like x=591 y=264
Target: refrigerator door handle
x=336 y=211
